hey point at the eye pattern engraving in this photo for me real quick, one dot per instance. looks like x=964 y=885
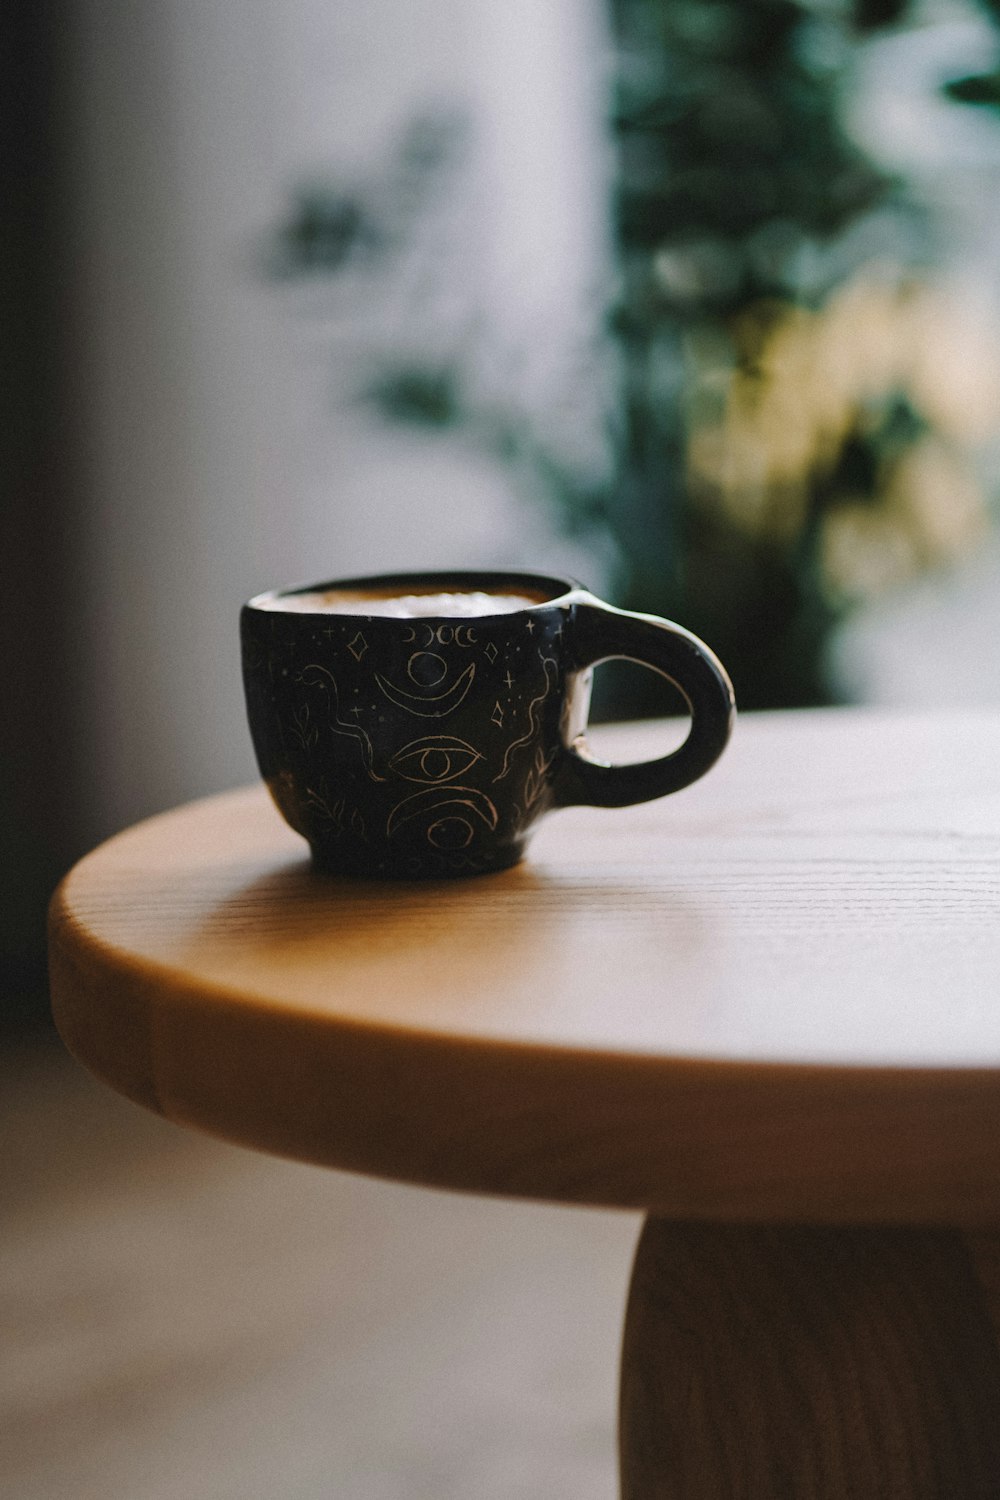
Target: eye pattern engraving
x=436 y=758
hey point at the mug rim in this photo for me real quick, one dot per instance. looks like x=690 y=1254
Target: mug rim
x=558 y=587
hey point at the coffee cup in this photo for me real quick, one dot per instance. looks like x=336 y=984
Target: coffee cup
x=418 y=725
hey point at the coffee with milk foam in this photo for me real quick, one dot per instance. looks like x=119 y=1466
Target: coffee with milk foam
x=459 y=605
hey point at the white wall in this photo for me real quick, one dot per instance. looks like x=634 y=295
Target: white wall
x=217 y=462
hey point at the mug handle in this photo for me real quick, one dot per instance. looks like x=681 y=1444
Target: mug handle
x=598 y=632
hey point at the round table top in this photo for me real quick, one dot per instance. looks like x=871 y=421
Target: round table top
x=774 y=996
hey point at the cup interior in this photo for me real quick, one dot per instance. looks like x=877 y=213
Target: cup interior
x=482 y=593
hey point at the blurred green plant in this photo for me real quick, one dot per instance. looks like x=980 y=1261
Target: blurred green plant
x=790 y=460
x=979 y=88
x=790 y=401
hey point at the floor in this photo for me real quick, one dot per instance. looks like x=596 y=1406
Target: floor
x=182 y=1318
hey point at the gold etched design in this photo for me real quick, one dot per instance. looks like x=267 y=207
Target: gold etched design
x=428 y=705
x=430 y=635
x=459 y=807
x=536 y=782
x=435 y=758
x=302 y=729
x=451 y=833
x=356 y=650
x=550 y=669
x=497 y=715
x=427 y=669
x=315 y=675
x=491 y=652
x=335 y=814
x=447 y=635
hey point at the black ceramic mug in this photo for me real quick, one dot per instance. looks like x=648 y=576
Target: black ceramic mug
x=418 y=725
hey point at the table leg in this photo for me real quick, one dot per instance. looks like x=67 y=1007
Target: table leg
x=811 y=1363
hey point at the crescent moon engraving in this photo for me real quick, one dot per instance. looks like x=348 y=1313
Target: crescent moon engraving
x=436 y=799
x=429 y=706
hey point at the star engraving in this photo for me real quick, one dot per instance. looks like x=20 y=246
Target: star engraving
x=497 y=715
x=357 y=650
x=509 y=680
x=491 y=652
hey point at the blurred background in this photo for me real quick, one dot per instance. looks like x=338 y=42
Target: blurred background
x=697 y=300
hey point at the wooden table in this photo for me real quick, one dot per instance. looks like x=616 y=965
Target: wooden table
x=766 y=1010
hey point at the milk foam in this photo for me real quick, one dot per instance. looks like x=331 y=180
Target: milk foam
x=460 y=605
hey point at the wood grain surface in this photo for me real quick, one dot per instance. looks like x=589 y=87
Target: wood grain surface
x=774 y=996
x=804 y=1363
